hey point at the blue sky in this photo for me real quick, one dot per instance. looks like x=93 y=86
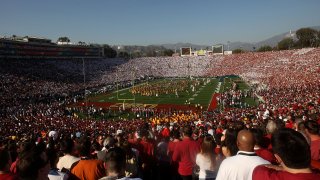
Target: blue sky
x=145 y=22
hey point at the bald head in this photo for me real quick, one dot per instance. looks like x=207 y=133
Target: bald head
x=245 y=141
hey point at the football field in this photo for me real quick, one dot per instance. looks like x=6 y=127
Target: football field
x=171 y=91
x=196 y=92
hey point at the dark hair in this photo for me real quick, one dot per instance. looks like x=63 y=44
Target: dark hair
x=115 y=160
x=258 y=136
x=4 y=159
x=176 y=134
x=187 y=131
x=230 y=141
x=52 y=157
x=66 y=146
x=30 y=163
x=292 y=148
x=312 y=127
x=301 y=126
x=84 y=146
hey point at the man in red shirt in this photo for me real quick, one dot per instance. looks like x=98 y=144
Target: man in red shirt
x=185 y=153
x=312 y=131
x=293 y=153
x=171 y=147
x=145 y=147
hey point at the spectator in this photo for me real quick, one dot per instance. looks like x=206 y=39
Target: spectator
x=5 y=162
x=258 y=147
x=66 y=161
x=87 y=168
x=33 y=165
x=108 y=143
x=293 y=153
x=206 y=159
x=312 y=131
x=146 y=152
x=229 y=142
x=132 y=160
x=116 y=162
x=163 y=159
x=171 y=147
x=241 y=165
x=185 y=154
x=55 y=173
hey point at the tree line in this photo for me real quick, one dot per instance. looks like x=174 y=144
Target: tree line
x=305 y=37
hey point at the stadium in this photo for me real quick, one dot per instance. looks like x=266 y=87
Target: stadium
x=175 y=91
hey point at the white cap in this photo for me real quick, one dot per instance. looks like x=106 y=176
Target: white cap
x=119 y=131
x=210 y=131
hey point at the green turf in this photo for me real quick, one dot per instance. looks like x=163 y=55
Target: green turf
x=227 y=83
x=201 y=96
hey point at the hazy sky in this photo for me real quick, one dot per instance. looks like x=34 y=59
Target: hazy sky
x=145 y=22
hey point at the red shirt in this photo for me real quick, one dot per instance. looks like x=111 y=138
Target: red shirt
x=165 y=132
x=8 y=176
x=171 y=147
x=315 y=150
x=266 y=154
x=146 y=151
x=185 y=154
x=262 y=172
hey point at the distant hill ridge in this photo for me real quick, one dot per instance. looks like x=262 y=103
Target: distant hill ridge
x=273 y=41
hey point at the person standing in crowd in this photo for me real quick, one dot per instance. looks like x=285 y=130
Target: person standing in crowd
x=5 y=162
x=293 y=153
x=241 y=165
x=206 y=159
x=115 y=163
x=171 y=146
x=87 y=168
x=55 y=173
x=312 y=131
x=146 y=149
x=259 y=146
x=67 y=147
x=229 y=142
x=33 y=165
x=185 y=154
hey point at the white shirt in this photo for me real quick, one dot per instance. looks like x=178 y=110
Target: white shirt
x=57 y=175
x=66 y=161
x=206 y=171
x=239 y=166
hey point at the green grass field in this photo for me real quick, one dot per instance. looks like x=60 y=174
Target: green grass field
x=200 y=96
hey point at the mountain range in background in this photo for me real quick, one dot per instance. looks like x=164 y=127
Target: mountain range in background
x=273 y=41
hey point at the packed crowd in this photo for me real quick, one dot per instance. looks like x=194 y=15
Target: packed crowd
x=43 y=139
